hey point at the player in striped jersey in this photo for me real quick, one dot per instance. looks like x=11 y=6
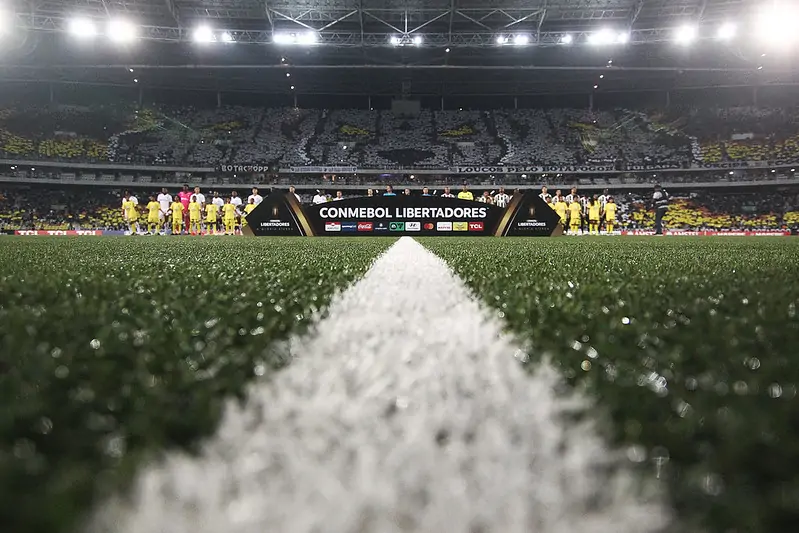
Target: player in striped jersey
x=502 y=198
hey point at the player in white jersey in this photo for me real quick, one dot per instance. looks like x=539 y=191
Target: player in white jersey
x=545 y=196
x=293 y=191
x=572 y=196
x=165 y=201
x=447 y=193
x=255 y=197
x=502 y=198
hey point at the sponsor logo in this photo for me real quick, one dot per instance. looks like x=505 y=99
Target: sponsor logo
x=365 y=226
x=476 y=226
x=381 y=226
x=413 y=226
x=532 y=224
x=349 y=226
x=275 y=224
x=460 y=226
x=332 y=226
x=443 y=226
x=396 y=226
x=429 y=226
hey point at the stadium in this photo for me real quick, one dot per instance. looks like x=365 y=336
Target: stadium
x=423 y=266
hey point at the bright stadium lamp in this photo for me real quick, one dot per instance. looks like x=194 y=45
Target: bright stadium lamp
x=501 y=39
x=307 y=38
x=726 y=31
x=395 y=40
x=685 y=34
x=602 y=37
x=122 y=31
x=284 y=38
x=203 y=34
x=417 y=40
x=521 y=40
x=623 y=37
x=567 y=39
x=82 y=28
x=777 y=24
x=226 y=37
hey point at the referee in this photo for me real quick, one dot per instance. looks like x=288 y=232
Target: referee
x=660 y=202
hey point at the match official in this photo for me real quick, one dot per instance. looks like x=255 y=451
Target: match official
x=660 y=202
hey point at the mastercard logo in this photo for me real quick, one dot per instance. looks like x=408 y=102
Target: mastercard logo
x=429 y=226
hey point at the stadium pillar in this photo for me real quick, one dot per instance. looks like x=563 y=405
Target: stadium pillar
x=442 y=103
x=590 y=101
x=668 y=98
x=369 y=101
x=218 y=98
x=295 y=100
x=515 y=102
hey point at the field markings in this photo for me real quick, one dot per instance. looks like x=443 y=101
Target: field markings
x=404 y=411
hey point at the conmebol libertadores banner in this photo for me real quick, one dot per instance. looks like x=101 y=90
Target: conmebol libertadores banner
x=525 y=215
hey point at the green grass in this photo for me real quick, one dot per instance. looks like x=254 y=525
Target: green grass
x=112 y=349
x=690 y=345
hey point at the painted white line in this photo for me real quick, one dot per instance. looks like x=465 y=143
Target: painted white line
x=405 y=412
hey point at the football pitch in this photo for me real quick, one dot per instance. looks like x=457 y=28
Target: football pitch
x=375 y=384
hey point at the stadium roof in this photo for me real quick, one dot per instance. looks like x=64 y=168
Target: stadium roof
x=391 y=47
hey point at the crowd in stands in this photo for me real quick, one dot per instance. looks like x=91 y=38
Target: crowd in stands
x=189 y=136
x=66 y=208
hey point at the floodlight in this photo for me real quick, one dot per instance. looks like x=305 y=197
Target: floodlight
x=596 y=86
x=122 y=31
x=726 y=31
x=82 y=28
x=292 y=87
x=203 y=34
x=777 y=25
x=685 y=34
x=284 y=38
x=395 y=40
x=446 y=50
x=602 y=37
x=521 y=40
x=567 y=39
x=226 y=37
x=501 y=39
x=417 y=40
x=623 y=37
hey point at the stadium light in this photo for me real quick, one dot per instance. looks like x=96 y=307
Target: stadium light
x=304 y=38
x=777 y=24
x=726 y=31
x=395 y=40
x=122 y=31
x=82 y=28
x=567 y=39
x=417 y=40
x=226 y=37
x=521 y=40
x=685 y=34
x=501 y=39
x=607 y=36
x=203 y=34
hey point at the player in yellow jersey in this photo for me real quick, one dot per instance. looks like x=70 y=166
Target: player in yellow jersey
x=575 y=212
x=131 y=213
x=247 y=210
x=211 y=212
x=610 y=215
x=177 y=216
x=561 y=208
x=229 y=217
x=194 y=216
x=594 y=209
x=153 y=216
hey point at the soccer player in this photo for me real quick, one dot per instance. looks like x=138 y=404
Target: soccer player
x=447 y=193
x=247 y=210
x=610 y=215
x=486 y=198
x=319 y=198
x=153 y=216
x=229 y=217
x=339 y=196
x=502 y=198
x=660 y=201
x=293 y=191
x=389 y=191
x=572 y=196
x=131 y=214
x=165 y=200
x=211 y=212
x=255 y=196
x=425 y=191
x=545 y=196
x=465 y=194
x=561 y=208
x=575 y=212
x=184 y=197
x=594 y=208
x=177 y=216
x=194 y=216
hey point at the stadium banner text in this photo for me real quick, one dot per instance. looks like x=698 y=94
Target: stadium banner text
x=714 y=233
x=63 y=233
x=525 y=215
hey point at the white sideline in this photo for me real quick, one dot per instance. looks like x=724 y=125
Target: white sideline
x=405 y=412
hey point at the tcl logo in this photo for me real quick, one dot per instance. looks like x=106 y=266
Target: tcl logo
x=476 y=226
x=86 y=232
x=56 y=232
x=365 y=226
x=27 y=232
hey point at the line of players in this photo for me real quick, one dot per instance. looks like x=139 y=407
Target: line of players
x=189 y=213
x=582 y=214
